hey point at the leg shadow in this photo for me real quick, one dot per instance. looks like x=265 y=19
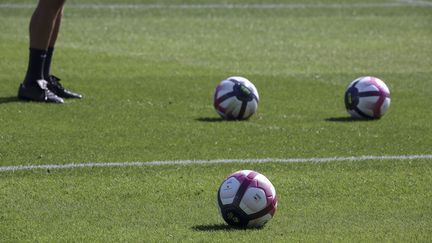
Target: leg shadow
x=11 y=99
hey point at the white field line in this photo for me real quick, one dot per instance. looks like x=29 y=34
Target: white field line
x=216 y=161
x=143 y=6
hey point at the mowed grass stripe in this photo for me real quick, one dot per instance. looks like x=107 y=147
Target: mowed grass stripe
x=216 y=161
x=140 y=6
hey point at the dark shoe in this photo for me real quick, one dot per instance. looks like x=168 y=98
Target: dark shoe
x=55 y=86
x=38 y=91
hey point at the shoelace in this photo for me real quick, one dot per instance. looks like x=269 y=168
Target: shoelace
x=55 y=82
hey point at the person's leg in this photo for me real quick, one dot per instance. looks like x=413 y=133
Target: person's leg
x=51 y=45
x=53 y=81
x=42 y=25
x=56 y=28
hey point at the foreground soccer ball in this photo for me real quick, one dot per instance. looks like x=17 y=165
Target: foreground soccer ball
x=367 y=97
x=247 y=199
x=236 y=98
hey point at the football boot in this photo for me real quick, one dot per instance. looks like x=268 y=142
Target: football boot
x=55 y=86
x=38 y=91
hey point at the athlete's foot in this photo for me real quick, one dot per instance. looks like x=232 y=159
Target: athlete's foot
x=37 y=91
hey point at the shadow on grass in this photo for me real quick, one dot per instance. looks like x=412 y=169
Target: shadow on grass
x=218 y=119
x=348 y=119
x=219 y=227
x=210 y=119
x=10 y=99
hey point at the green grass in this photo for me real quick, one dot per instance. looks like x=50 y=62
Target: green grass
x=349 y=201
x=148 y=77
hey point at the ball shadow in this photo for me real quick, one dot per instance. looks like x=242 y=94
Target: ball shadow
x=209 y=119
x=348 y=119
x=219 y=227
x=218 y=119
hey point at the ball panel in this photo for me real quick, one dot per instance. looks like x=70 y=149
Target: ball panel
x=245 y=181
x=351 y=97
x=383 y=94
x=385 y=106
x=259 y=222
x=266 y=185
x=243 y=172
x=253 y=201
x=354 y=114
x=367 y=105
x=357 y=113
x=228 y=190
x=221 y=113
x=252 y=174
x=223 y=88
x=365 y=85
x=231 y=107
x=250 y=109
x=380 y=85
x=234 y=216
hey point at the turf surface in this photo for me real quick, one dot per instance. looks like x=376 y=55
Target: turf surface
x=148 y=76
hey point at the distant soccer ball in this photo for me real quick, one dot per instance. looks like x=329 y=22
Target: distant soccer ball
x=247 y=199
x=236 y=98
x=367 y=97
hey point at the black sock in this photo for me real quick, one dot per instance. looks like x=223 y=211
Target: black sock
x=35 y=65
x=47 y=63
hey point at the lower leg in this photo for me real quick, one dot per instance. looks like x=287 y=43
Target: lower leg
x=53 y=39
x=45 y=23
x=42 y=26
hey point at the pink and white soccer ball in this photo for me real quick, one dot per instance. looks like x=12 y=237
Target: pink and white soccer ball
x=236 y=98
x=247 y=198
x=367 y=97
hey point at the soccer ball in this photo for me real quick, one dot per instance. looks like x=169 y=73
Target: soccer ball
x=367 y=97
x=236 y=98
x=247 y=199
